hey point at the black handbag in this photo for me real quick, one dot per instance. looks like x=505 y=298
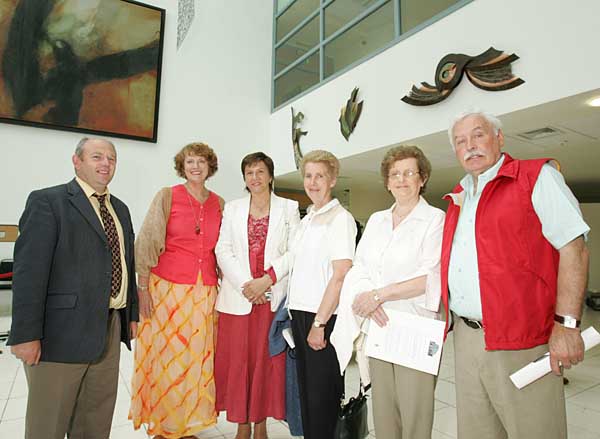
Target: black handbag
x=352 y=421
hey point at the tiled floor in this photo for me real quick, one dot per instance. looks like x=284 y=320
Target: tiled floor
x=583 y=398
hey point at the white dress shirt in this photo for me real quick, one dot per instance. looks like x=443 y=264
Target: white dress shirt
x=324 y=236
x=387 y=255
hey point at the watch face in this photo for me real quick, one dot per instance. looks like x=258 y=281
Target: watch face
x=570 y=322
x=567 y=321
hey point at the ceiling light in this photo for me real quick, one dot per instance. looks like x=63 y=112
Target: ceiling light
x=594 y=102
x=540 y=133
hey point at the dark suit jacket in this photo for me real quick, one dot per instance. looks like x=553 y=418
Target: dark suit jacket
x=62 y=275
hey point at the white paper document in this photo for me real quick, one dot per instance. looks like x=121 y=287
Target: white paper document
x=288 y=337
x=408 y=340
x=540 y=367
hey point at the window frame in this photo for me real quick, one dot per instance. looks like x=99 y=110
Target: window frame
x=323 y=4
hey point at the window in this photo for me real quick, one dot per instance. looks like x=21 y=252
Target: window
x=301 y=77
x=292 y=14
x=297 y=45
x=315 y=40
x=362 y=39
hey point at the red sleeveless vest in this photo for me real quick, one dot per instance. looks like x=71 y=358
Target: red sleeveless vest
x=518 y=267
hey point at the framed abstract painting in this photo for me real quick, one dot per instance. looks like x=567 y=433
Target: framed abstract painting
x=92 y=66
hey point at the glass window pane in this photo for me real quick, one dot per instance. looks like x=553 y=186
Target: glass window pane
x=341 y=12
x=415 y=12
x=297 y=45
x=298 y=79
x=281 y=4
x=362 y=39
x=293 y=16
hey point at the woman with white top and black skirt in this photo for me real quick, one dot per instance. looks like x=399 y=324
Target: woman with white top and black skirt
x=322 y=253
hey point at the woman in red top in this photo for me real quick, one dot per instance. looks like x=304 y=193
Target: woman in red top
x=173 y=389
x=252 y=256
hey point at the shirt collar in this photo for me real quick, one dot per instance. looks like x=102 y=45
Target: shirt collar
x=88 y=190
x=419 y=212
x=483 y=178
x=333 y=203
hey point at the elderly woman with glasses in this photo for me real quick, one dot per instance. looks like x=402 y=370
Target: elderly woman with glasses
x=396 y=267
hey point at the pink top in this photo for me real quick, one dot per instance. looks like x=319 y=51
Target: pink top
x=186 y=252
x=257 y=238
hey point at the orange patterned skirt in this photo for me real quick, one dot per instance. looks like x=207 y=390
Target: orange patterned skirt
x=173 y=387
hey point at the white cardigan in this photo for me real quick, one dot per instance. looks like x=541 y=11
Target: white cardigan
x=233 y=257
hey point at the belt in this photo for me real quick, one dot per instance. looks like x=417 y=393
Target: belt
x=473 y=324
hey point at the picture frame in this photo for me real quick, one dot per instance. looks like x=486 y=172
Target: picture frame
x=92 y=67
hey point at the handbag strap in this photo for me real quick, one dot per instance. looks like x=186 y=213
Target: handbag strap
x=361 y=391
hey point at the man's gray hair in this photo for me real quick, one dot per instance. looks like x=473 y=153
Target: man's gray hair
x=490 y=118
x=83 y=141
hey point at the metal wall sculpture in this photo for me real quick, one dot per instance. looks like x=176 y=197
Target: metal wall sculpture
x=297 y=133
x=92 y=67
x=489 y=71
x=350 y=114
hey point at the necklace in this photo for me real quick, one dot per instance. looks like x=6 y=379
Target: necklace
x=197 y=228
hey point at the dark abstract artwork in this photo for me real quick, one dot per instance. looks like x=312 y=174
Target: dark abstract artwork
x=489 y=71
x=92 y=66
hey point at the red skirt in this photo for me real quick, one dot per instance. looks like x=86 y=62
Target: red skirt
x=250 y=383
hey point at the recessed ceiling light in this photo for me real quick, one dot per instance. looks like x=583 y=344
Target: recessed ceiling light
x=594 y=102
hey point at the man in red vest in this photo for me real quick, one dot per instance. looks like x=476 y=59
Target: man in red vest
x=514 y=273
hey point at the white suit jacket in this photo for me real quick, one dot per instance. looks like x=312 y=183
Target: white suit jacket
x=233 y=256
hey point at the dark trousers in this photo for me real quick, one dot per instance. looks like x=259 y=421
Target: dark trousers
x=321 y=384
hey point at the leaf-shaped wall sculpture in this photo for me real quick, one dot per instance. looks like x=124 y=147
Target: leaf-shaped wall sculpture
x=350 y=114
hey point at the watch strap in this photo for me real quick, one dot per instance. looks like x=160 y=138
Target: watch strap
x=567 y=321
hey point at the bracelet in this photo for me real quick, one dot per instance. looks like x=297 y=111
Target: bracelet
x=143 y=288
x=376 y=297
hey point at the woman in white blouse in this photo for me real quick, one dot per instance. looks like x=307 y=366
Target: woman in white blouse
x=254 y=237
x=322 y=255
x=397 y=267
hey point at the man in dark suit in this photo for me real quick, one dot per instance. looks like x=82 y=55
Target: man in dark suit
x=74 y=298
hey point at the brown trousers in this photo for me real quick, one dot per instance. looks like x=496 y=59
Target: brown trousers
x=403 y=400
x=74 y=399
x=489 y=405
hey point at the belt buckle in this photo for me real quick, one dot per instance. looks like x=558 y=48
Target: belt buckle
x=473 y=324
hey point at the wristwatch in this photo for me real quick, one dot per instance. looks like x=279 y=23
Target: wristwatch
x=567 y=321
x=317 y=324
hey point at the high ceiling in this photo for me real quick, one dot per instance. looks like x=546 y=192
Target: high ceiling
x=575 y=144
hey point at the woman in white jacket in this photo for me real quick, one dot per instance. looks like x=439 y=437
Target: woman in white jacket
x=250 y=252
x=396 y=267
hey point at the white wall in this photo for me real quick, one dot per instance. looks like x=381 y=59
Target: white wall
x=556 y=41
x=216 y=89
x=591 y=214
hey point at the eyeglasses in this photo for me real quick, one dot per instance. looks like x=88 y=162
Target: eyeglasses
x=409 y=173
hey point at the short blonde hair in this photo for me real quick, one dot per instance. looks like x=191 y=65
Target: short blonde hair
x=320 y=156
x=196 y=149
x=406 y=152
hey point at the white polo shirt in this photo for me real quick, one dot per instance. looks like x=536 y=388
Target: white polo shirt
x=324 y=236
